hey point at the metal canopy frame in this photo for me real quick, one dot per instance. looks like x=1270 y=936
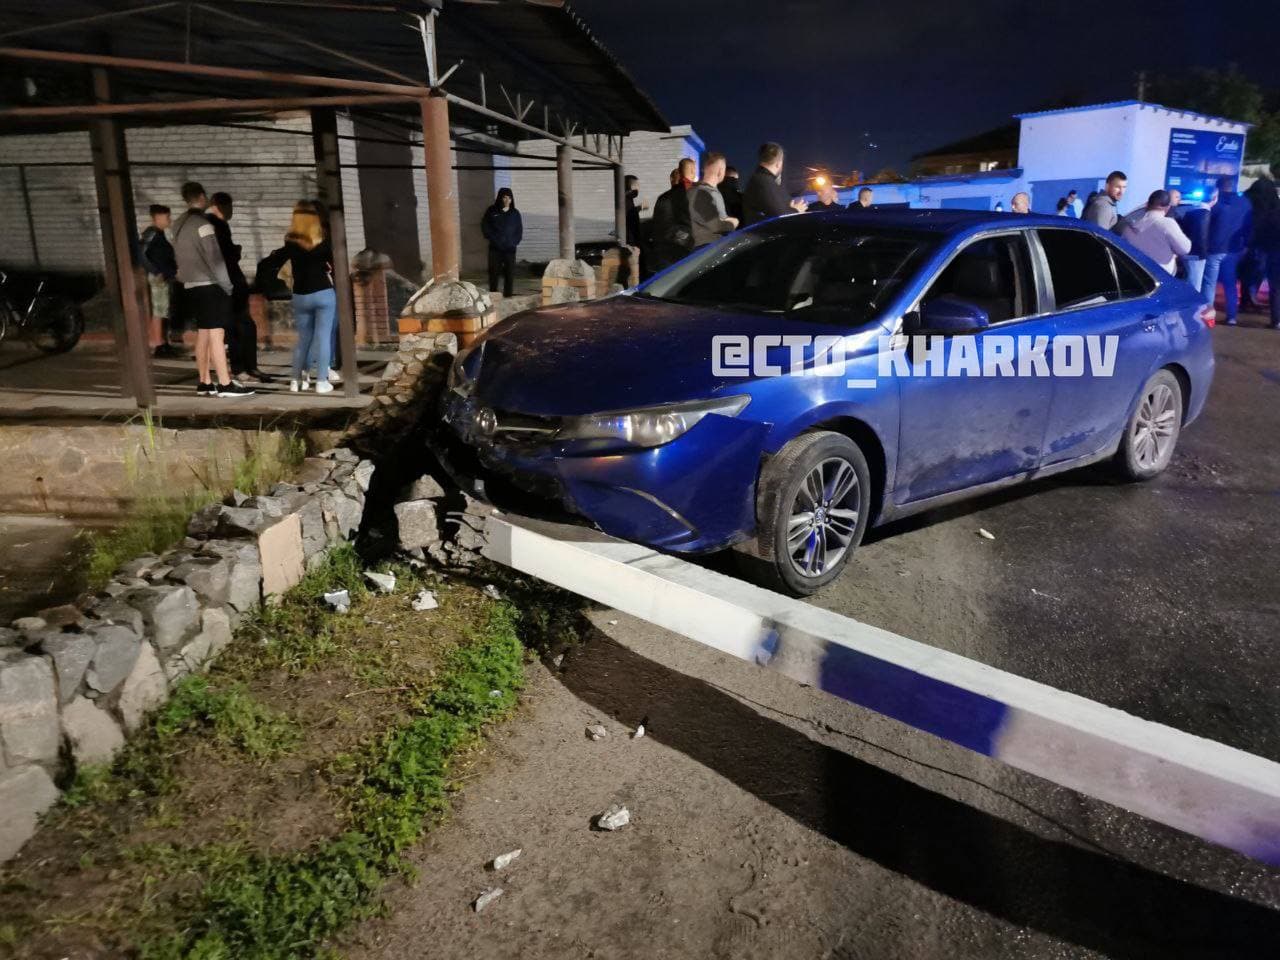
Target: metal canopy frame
x=322 y=94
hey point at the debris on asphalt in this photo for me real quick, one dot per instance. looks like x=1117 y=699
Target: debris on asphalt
x=613 y=623
x=986 y=534
x=639 y=732
x=615 y=818
x=557 y=660
x=425 y=600
x=340 y=600
x=486 y=898
x=491 y=591
x=1047 y=596
x=596 y=731
x=384 y=582
x=504 y=860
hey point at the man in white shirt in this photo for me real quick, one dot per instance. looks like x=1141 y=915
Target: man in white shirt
x=1156 y=234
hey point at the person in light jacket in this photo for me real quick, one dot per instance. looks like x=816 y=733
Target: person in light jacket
x=1101 y=209
x=707 y=215
x=1156 y=234
x=503 y=227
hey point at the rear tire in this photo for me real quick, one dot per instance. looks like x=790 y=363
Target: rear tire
x=1152 y=432
x=812 y=506
x=57 y=325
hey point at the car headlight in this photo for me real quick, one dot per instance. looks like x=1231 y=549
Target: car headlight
x=650 y=426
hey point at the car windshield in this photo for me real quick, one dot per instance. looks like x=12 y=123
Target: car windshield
x=821 y=271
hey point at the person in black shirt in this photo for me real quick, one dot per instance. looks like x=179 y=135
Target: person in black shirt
x=315 y=304
x=826 y=200
x=242 y=334
x=765 y=196
x=731 y=190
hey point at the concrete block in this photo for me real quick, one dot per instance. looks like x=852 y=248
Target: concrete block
x=28 y=711
x=25 y=793
x=93 y=733
x=283 y=562
x=143 y=690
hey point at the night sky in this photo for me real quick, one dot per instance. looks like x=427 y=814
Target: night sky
x=826 y=79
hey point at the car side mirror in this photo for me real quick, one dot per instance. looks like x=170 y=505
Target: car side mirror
x=947 y=315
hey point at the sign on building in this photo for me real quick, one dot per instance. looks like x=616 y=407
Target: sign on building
x=1197 y=158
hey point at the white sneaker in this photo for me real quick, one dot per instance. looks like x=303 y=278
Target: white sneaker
x=306 y=381
x=335 y=377
x=324 y=386
x=294 y=386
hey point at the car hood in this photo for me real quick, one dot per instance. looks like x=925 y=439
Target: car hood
x=614 y=354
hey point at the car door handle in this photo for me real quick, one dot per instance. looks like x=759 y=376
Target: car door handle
x=1149 y=322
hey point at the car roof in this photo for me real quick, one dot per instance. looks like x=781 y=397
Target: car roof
x=945 y=221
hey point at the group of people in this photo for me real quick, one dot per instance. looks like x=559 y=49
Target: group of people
x=194 y=276
x=1227 y=238
x=700 y=209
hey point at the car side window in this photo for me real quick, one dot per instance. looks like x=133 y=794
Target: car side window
x=1081 y=270
x=1134 y=281
x=994 y=274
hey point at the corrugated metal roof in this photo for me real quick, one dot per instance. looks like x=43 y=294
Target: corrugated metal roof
x=537 y=48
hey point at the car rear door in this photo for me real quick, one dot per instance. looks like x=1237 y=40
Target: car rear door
x=957 y=432
x=1106 y=313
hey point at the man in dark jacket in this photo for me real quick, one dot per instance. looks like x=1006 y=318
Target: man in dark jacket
x=1230 y=226
x=765 y=196
x=503 y=227
x=157 y=258
x=672 y=225
x=731 y=190
x=634 y=206
x=1266 y=237
x=1194 y=221
x=826 y=200
x=242 y=334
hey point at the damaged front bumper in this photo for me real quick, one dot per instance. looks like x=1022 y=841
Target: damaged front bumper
x=692 y=495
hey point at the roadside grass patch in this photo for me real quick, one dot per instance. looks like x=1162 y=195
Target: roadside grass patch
x=162 y=505
x=266 y=804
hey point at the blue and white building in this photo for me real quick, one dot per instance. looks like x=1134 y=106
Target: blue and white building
x=1076 y=147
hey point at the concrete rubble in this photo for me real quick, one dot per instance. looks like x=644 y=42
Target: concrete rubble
x=77 y=679
x=615 y=818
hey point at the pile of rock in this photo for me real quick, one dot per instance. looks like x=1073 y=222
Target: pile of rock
x=568 y=281
x=409 y=386
x=427 y=527
x=74 y=679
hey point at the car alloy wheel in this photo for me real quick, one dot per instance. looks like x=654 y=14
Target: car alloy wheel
x=824 y=517
x=1152 y=432
x=813 y=500
x=1154 y=427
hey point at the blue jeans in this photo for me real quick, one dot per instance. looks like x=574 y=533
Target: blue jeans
x=313 y=318
x=1221 y=267
x=313 y=355
x=1194 y=267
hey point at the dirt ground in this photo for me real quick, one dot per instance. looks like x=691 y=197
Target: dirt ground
x=773 y=821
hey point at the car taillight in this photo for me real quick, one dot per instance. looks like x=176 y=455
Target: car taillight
x=1208 y=315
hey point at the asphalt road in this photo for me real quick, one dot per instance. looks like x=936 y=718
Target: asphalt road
x=772 y=821
x=1161 y=599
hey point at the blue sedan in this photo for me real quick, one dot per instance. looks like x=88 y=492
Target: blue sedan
x=820 y=373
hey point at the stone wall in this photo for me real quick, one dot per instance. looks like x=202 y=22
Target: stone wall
x=76 y=679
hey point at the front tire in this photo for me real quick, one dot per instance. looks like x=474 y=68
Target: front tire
x=1152 y=431
x=812 y=506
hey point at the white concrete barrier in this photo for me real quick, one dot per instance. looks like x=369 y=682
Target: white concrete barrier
x=1202 y=787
